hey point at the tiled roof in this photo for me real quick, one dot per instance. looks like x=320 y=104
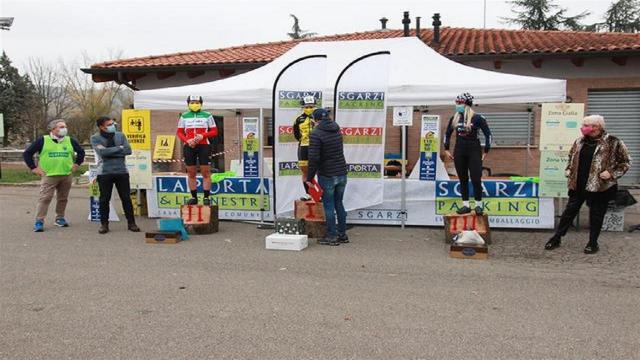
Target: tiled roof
x=453 y=42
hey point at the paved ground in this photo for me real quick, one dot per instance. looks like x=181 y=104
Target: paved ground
x=73 y=294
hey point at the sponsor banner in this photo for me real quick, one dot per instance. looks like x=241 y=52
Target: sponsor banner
x=237 y=198
x=361 y=112
x=518 y=211
x=164 y=147
x=94 y=197
x=500 y=198
x=429 y=146
x=560 y=125
x=553 y=182
x=302 y=78
x=139 y=167
x=136 y=125
x=288 y=99
x=250 y=147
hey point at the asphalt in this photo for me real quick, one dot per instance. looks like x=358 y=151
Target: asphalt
x=70 y=293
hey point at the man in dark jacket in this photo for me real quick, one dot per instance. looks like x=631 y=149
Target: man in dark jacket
x=111 y=148
x=326 y=158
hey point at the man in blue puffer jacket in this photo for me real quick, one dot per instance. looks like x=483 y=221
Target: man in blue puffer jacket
x=326 y=158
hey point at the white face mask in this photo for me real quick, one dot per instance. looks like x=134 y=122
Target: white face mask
x=62 y=132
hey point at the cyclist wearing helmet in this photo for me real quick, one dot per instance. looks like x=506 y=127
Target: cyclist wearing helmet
x=195 y=127
x=301 y=130
x=468 y=154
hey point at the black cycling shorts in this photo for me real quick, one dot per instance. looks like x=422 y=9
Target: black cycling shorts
x=198 y=155
x=303 y=156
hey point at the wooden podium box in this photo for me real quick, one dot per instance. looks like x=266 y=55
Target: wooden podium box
x=476 y=252
x=454 y=224
x=200 y=219
x=163 y=237
x=313 y=215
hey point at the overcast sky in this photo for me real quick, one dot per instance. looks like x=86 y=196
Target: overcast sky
x=63 y=29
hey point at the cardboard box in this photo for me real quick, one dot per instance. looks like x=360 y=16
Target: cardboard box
x=162 y=237
x=200 y=219
x=475 y=252
x=454 y=224
x=286 y=242
x=308 y=210
x=290 y=226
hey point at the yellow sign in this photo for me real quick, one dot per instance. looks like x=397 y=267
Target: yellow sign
x=560 y=125
x=136 y=125
x=164 y=147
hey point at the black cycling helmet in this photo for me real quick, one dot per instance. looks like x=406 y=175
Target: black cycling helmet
x=465 y=98
x=321 y=114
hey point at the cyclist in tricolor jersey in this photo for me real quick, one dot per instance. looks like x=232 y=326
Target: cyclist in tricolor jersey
x=195 y=128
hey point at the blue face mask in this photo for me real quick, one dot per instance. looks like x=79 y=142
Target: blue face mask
x=111 y=128
x=460 y=108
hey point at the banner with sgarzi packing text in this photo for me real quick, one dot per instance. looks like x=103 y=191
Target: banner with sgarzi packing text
x=306 y=77
x=361 y=113
x=500 y=198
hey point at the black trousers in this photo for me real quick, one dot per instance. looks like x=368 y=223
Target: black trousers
x=597 y=203
x=121 y=181
x=467 y=158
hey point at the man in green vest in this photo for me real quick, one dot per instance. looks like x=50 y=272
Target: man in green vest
x=55 y=166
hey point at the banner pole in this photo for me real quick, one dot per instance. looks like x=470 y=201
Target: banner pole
x=262 y=224
x=403 y=185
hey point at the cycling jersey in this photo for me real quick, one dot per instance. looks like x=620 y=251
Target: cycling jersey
x=302 y=128
x=192 y=123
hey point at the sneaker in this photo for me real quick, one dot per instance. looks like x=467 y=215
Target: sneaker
x=463 y=210
x=133 y=227
x=61 y=222
x=192 y=201
x=104 y=228
x=305 y=198
x=206 y=202
x=479 y=210
x=552 y=244
x=38 y=226
x=343 y=239
x=591 y=249
x=328 y=241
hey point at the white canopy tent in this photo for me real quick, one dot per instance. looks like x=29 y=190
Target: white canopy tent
x=418 y=76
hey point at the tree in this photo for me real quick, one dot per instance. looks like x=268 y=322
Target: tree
x=543 y=15
x=52 y=99
x=298 y=33
x=91 y=100
x=623 y=16
x=16 y=98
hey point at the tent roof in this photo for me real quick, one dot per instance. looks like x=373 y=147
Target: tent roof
x=418 y=76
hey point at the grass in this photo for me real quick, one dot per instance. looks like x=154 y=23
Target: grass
x=12 y=175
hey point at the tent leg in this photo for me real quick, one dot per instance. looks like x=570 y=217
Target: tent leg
x=403 y=185
x=262 y=224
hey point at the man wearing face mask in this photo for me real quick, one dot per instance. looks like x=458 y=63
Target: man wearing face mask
x=301 y=130
x=111 y=148
x=55 y=167
x=195 y=128
x=468 y=154
x=596 y=161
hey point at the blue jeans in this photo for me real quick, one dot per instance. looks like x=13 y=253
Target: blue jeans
x=333 y=187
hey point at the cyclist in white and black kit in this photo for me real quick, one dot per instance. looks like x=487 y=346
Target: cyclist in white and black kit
x=468 y=154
